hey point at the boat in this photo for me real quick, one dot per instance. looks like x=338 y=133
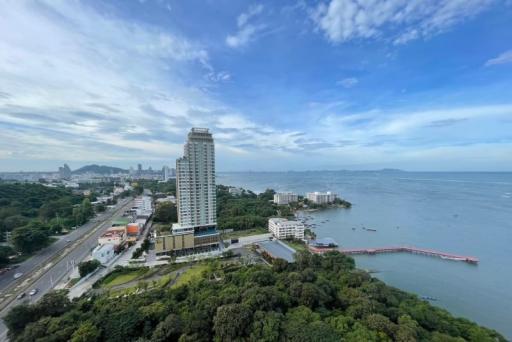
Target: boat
x=371 y=230
x=428 y=298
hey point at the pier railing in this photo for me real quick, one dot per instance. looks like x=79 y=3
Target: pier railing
x=413 y=250
x=399 y=249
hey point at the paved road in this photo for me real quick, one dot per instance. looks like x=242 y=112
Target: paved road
x=54 y=272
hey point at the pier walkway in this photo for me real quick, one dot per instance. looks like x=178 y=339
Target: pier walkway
x=413 y=250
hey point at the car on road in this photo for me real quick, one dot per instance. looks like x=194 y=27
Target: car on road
x=18 y=275
x=21 y=296
x=68 y=240
x=33 y=292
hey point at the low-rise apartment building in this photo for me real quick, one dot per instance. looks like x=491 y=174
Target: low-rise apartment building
x=321 y=197
x=282 y=228
x=283 y=198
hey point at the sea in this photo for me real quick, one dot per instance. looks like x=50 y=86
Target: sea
x=466 y=213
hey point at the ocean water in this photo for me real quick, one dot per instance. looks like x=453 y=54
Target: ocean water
x=459 y=213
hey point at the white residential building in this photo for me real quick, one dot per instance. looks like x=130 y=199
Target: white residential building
x=282 y=198
x=235 y=191
x=167 y=199
x=282 y=228
x=143 y=206
x=195 y=183
x=321 y=197
x=104 y=253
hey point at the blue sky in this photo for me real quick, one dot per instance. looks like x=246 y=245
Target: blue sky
x=283 y=85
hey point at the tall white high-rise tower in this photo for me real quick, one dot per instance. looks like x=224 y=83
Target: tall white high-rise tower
x=195 y=183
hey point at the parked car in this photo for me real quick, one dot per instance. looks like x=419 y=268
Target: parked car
x=18 y=275
x=33 y=292
x=21 y=296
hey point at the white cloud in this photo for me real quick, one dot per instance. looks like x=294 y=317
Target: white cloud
x=348 y=82
x=504 y=58
x=396 y=20
x=247 y=31
x=77 y=84
x=244 y=17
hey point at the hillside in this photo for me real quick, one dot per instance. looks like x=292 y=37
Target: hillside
x=316 y=299
x=101 y=169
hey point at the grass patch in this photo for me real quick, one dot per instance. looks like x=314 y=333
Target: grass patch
x=162 y=228
x=245 y=232
x=72 y=282
x=297 y=245
x=119 y=278
x=192 y=273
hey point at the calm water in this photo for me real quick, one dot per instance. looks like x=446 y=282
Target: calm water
x=460 y=213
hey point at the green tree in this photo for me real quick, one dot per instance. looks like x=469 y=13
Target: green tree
x=18 y=317
x=166 y=213
x=86 y=332
x=29 y=239
x=266 y=326
x=168 y=330
x=5 y=253
x=87 y=209
x=15 y=221
x=86 y=267
x=226 y=327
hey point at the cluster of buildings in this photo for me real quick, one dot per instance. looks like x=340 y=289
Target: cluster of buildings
x=196 y=230
x=124 y=230
x=282 y=228
x=64 y=175
x=165 y=174
x=283 y=198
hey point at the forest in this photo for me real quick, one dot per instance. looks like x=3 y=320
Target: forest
x=317 y=298
x=31 y=213
x=245 y=211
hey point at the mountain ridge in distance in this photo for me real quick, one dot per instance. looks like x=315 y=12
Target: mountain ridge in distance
x=101 y=169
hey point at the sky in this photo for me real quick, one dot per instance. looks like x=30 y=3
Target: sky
x=282 y=85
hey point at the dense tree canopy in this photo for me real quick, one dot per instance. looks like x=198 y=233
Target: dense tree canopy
x=165 y=213
x=33 y=212
x=318 y=298
x=245 y=211
x=86 y=267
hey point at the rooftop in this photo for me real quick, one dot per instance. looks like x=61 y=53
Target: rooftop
x=277 y=249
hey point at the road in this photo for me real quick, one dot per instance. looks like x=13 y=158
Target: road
x=55 y=270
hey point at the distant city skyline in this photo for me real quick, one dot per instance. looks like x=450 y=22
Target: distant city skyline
x=324 y=85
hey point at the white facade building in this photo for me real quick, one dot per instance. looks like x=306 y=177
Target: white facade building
x=235 y=191
x=195 y=183
x=282 y=228
x=282 y=198
x=321 y=197
x=143 y=206
x=104 y=253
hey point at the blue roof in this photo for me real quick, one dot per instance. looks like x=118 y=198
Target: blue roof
x=278 y=250
x=324 y=242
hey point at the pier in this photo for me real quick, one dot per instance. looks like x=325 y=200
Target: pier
x=412 y=250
